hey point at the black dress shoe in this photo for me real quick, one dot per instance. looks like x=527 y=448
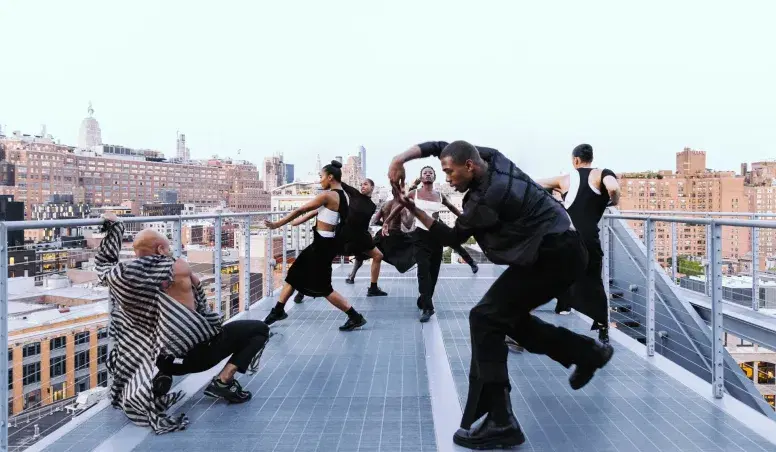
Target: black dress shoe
x=488 y=435
x=583 y=373
x=426 y=315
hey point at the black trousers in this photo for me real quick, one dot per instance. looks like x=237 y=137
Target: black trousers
x=428 y=255
x=587 y=294
x=506 y=310
x=241 y=339
x=464 y=254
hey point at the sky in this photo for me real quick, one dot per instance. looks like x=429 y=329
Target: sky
x=638 y=81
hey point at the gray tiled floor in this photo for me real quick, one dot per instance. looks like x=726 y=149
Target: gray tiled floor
x=628 y=406
x=320 y=389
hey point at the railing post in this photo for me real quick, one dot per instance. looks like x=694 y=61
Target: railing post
x=246 y=282
x=177 y=238
x=717 y=345
x=707 y=267
x=606 y=245
x=298 y=240
x=755 y=267
x=285 y=249
x=4 y=336
x=674 y=242
x=217 y=263
x=649 y=227
x=269 y=257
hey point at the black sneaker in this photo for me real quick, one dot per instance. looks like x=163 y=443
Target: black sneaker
x=162 y=383
x=350 y=281
x=353 y=323
x=375 y=291
x=475 y=268
x=232 y=392
x=584 y=373
x=299 y=297
x=275 y=315
x=426 y=315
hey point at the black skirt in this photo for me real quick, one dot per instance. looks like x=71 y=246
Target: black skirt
x=359 y=243
x=310 y=274
x=398 y=249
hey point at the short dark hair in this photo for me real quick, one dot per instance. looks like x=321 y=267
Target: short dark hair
x=460 y=151
x=584 y=152
x=334 y=169
x=370 y=182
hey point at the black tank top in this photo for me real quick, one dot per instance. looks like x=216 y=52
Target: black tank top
x=584 y=205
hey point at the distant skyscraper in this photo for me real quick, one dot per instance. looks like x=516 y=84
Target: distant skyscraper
x=182 y=152
x=362 y=154
x=338 y=158
x=289 y=173
x=318 y=164
x=89 y=134
x=274 y=172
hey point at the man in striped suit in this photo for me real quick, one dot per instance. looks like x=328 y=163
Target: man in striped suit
x=161 y=326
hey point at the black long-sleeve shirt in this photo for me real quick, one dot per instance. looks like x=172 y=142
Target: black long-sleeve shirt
x=506 y=211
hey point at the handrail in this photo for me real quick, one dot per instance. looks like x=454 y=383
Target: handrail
x=40 y=224
x=705 y=214
x=769 y=224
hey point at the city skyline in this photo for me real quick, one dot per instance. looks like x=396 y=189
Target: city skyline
x=247 y=84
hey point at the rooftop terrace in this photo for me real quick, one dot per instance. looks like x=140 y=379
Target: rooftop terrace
x=398 y=385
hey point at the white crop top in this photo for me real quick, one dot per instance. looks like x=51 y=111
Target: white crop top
x=430 y=207
x=328 y=216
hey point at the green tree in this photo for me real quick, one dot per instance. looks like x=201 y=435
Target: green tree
x=686 y=266
x=447 y=255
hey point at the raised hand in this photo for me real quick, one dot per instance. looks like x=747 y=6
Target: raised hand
x=396 y=174
x=270 y=224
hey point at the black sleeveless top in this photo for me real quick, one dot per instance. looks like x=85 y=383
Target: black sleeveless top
x=585 y=206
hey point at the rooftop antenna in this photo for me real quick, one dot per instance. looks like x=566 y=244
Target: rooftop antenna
x=90 y=110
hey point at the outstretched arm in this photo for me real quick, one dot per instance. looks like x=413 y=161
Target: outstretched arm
x=552 y=183
x=446 y=235
x=144 y=275
x=304 y=218
x=313 y=204
x=450 y=206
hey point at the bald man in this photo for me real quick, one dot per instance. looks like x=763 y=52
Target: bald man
x=161 y=326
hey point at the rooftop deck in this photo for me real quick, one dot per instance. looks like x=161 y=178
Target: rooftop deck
x=397 y=385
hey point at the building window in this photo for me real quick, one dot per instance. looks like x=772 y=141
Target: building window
x=31 y=349
x=57 y=343
x=58 y=392
x=82 y=338
x=31 y=373
x=82 y=384
x=10 y=354
x=102 y=354
x=766 y=373
x=102 y=379
x=58 y=366
x=102 y=333
x=82 y=360
x=32 y=399
x=10 y=379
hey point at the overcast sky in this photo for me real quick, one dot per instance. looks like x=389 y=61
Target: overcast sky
x=637 y=80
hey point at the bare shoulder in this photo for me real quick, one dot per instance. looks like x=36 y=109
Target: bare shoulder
x=181 y=267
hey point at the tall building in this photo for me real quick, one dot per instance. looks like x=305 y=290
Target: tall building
x=362 y=155
x=274 y=172
x=692 y=189
x=351 y=171
x=90 y=133
x=689 y=162
x=181 y=151
x=289 y=173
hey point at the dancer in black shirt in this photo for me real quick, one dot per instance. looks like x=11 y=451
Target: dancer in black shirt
x=586 y=193
x=516 y=223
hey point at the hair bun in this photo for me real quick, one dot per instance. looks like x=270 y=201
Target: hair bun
x=336 y=163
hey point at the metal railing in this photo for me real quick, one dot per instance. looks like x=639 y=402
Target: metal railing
x=245 y=222
x=714 y=272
